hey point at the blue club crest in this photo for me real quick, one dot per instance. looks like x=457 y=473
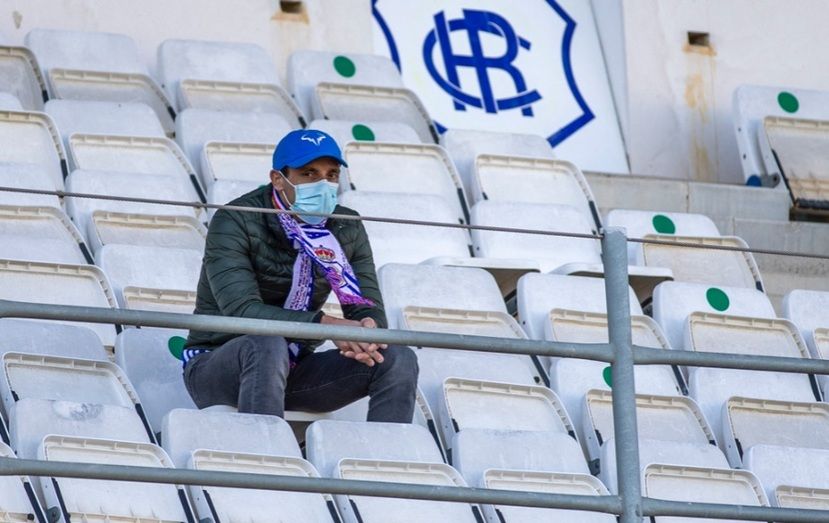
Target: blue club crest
x=465 y=72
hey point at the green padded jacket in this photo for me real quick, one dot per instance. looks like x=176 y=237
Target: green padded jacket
x=248 y=264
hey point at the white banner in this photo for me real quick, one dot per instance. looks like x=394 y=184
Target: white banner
x=533 y=66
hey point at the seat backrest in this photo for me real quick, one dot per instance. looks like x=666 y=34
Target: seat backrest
x=349 y=131
x=92 y=117
x=549 y=251
x=86 y=51
x=673 y=302
x=465 y=145
x=40 y=234
x=306 y=68
x=196 y=127
x=753 y=103
x=807 y=309
x=32 y=419
x=80 y=498
x=463 y=288
x=144 y=355
x=185 y=430
x=222 y=61
x=403 y=168
x=539 y=294
x=476 y=450
x=408 y=243
x=327 y=442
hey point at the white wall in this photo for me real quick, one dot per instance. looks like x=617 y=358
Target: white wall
x=325 y=24
x=677 y=101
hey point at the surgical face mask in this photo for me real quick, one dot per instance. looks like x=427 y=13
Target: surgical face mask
x=318 y=197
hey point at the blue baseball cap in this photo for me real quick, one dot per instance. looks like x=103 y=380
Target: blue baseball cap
x=300 y=147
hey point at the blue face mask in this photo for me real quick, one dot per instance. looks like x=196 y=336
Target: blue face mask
x=318 y=197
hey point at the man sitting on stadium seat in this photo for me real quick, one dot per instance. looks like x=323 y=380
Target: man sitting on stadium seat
x=283 y=267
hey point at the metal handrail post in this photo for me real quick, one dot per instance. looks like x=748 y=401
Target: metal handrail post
x=626 y=437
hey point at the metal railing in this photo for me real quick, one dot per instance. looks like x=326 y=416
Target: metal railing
x=630 y=505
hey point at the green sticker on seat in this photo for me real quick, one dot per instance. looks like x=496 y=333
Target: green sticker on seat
x=176 y=346
x=362 y=132
x=344 y=66
x=607 y=374
x=663 y=225
x=788 y=102
x=717 y=299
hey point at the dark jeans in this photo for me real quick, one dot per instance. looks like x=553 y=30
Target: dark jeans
x=253 y=374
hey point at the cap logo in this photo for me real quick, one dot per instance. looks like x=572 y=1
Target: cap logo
x=314 y=140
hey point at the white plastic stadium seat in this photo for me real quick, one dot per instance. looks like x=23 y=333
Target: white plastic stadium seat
x=327 y=442
x=134 y=154
x=29 y=176
x=700 y=265
x=196 y=127
x=538 y=294
x=257 y=506
x=17 y=497
x=436 y=364
x=20 y=77
x=661 y=452
x=59 y=284
x=532 y=180
x=233 y=162
x=307 y=68
x=52 y=339
x=223 y=192
x=550 y=252
x=673 y=302
x=572 y=378
x=33 y=138
x=363 y=131
x=474 y=451
x=145 y=357
x=463 y=288
x=675 y=419
x=336 y=101
x=748 y=422
x=140 y=298
x=224 y=75
x=82 y=499
x=790 y=466
x=796 y=497
x=32 y=419
x=543 y=482
x=63 y=378
x=97 y=66
x=637 y=224
x=807 y=309
x=404 y=243
x=146 y=230
x=91 y=117
x=794 y=149
x=479 y=404
x=185 y=430
x=409 y=168
x=752 y=104
x=150 y=267
x=702 y=485
x=465 y=145
x=135 y=185
x=712 y=387
x=40 y=234
x=384 y=452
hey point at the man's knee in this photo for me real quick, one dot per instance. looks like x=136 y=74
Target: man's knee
x=265 y=350
x=401 y=361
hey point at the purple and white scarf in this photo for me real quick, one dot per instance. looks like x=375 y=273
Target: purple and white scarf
x=317 y=246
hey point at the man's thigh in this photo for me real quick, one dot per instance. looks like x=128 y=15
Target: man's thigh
x=326 y=381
